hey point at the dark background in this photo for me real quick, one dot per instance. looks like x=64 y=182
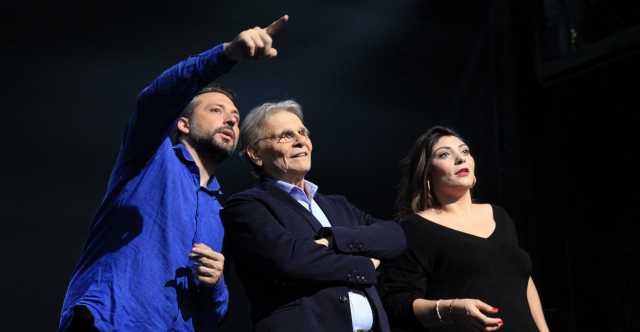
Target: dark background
x=545 y=91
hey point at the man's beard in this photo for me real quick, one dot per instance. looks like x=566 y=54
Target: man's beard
x=203 y=141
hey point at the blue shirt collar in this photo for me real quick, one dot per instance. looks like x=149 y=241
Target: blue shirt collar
x=309 y=191
x=184 y=155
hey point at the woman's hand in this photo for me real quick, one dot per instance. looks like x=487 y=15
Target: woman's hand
x=470 y=311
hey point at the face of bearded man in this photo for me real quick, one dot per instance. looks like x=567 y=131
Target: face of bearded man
x=212 y=127
x=208 y=142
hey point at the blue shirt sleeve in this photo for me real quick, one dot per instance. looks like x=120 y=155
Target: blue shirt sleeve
x=162 y=101
x=221 y=297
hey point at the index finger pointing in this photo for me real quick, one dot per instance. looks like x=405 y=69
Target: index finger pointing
x=277 y=25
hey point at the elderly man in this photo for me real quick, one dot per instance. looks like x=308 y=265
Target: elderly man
x=308 y=261
x=153 y=261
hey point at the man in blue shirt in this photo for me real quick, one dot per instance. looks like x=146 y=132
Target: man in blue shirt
x=152 y=261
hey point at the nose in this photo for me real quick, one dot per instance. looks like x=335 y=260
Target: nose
x=230 y=120
x=460 y=159
x=298 y=142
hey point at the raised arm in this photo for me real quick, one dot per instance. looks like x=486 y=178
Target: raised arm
x=255 y=237
x=162 y=101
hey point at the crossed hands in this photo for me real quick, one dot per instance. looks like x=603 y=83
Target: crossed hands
x=256 y=43
x=325 y=242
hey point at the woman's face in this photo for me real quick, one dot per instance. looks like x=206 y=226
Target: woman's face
x=452 y=165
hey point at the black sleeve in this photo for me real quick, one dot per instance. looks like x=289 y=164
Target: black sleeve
x=402 y=281
x=372 y=237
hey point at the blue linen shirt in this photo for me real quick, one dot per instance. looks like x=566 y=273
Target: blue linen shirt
x=361 y=313
x=134 y=271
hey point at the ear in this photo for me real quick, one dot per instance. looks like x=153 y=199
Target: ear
x=253 y=156
x=183 y=125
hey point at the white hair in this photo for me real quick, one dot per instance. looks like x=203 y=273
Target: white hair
x=252 y=128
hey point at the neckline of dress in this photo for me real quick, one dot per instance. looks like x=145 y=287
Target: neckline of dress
x=495 y=226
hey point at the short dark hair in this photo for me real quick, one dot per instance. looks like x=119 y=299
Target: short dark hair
x=188 y=110
x=415 y=194
x=213 y=87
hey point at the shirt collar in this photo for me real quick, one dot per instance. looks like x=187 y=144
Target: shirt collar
x=214 y=185
x=184 y=155
x=309 y=191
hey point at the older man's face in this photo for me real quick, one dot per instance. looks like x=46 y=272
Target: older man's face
x=285 y=153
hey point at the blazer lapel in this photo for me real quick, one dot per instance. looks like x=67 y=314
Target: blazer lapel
x=292 y=204
x=328 y=211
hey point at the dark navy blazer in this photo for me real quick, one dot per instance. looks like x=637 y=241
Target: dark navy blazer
x=293 y=283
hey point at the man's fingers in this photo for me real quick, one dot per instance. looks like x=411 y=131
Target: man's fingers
x=210 y=263
x=207 y=271
x=204 y=251
x=272 y=53
x=265 y=39
x=245 y=43
x=251 y=47
x=255 y=38
x=277 y=25
x=255 y=43
x=209 y=279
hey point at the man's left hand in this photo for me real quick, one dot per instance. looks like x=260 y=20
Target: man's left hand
x=322 y=242
x=210 y=264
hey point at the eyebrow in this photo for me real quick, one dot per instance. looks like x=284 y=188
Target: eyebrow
x=285 y=131
x=448 y=148
x=234 y=110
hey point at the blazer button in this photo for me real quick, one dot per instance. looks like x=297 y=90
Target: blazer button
x=343 y=299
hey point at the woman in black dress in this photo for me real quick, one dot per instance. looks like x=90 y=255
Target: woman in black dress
x=464 y=270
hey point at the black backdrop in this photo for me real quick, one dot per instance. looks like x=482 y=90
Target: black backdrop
x=557 y=152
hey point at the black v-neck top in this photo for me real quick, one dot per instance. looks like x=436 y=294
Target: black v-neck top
x=444 y=263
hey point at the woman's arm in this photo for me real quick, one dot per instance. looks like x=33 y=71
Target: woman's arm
x=454 y=311
x=536 y=307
